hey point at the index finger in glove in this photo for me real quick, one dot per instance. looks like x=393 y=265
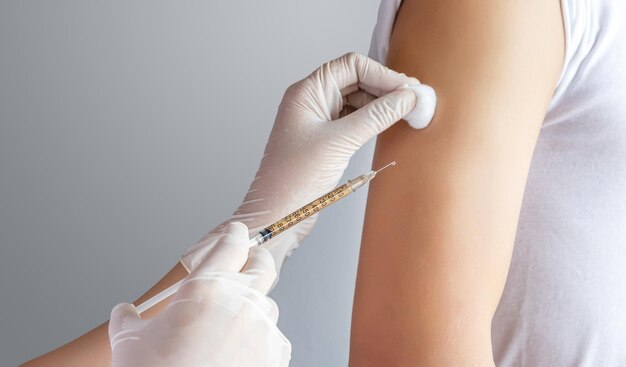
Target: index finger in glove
x=121 y=316
x=229 y=253
x=354 y=70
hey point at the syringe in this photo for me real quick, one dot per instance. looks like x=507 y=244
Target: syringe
x=285 y=223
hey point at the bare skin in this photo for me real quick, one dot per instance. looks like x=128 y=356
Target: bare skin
x=440 y=228
x=92 y=348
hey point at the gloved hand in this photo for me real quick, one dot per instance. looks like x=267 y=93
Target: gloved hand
x=220 y=315
x=321 y=122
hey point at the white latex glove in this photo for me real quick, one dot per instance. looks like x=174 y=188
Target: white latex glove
x=321 y=122
x=220 y=315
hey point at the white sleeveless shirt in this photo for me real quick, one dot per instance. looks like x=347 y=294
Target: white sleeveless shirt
x=564 y=303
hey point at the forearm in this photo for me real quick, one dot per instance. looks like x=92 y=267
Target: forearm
x=92 y=348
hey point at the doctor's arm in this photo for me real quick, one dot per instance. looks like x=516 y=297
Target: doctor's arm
x=439 y=228
x=92 y=348
x=314 y=128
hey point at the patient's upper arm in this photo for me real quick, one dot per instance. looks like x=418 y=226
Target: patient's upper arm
x=440 y=226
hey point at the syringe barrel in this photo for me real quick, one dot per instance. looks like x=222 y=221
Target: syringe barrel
x=308 y=210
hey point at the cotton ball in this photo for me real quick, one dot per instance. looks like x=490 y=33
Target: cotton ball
x=424 y=110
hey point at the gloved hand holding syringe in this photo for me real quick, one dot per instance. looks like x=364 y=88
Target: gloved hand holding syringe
x=284 y=223
x=321 y=122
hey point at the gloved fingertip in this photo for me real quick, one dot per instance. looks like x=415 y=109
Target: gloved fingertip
x=233 y=227
x=424 y=110
x=412 y=81
x=117 y=307
x=236 y=228
x=125 y=309
x=120 y=313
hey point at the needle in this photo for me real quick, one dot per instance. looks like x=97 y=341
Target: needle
x=390 y=164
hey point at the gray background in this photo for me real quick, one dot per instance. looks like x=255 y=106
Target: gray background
x=129 y=129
